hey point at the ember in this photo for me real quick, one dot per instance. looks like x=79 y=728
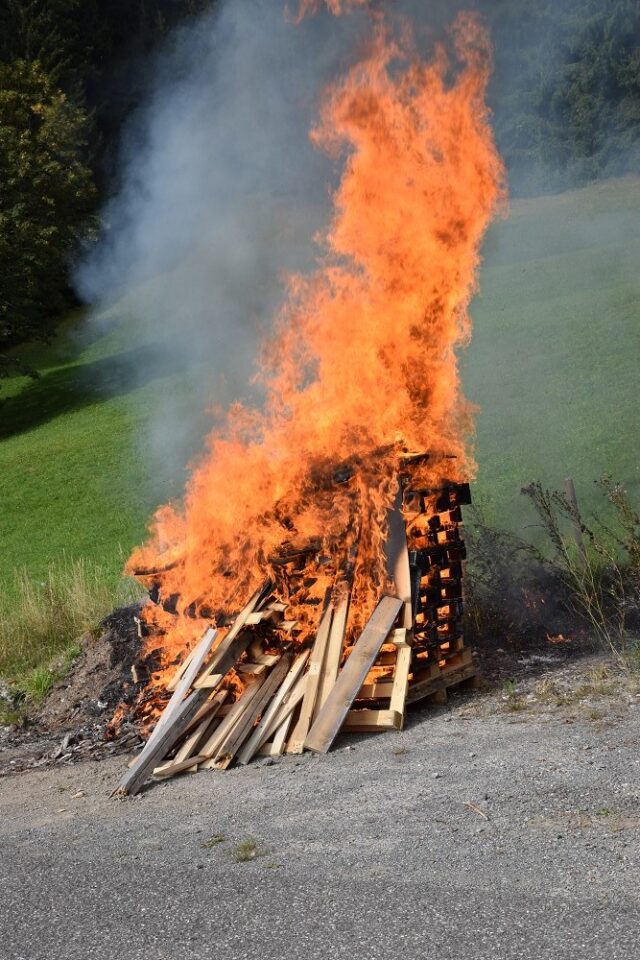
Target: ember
x=318 y=506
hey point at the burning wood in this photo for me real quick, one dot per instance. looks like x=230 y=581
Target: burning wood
x=268 y=686
x=316 y=503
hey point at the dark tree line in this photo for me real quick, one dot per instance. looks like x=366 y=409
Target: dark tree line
x=566 y=89
x=71 y=71
x=565 y=95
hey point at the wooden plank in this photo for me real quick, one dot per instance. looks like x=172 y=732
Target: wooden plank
x=457 y=660
x=253 y=619
x=386 y=660
x=156 y=750
x=276 y=747
x=397 y=556
x=424 y=670
x=200 y=654
x=256 y=654
x=277 y=606
x=268 y=659
x=290 y=703
x=296 y=741
x=372 y=721
x=189 y=744
x=197 y=658
x=333 y=712
x=381 y=690
x=210 y=748
x=235 y=641
x=173 y=683
x=333 y=653
x=209 y=682
x=269 y=720
x=207 y=708
x=251 y=669
x=229 y=748
x=439 y=697
x=196 y=736
x=176 y=766
x=398 y=702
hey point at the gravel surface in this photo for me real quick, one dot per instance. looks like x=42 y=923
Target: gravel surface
x=485 y=831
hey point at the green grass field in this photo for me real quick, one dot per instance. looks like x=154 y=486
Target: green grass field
x=552 y=366
x=554 y=360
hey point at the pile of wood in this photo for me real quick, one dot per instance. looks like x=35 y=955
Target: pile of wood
x=233 y=698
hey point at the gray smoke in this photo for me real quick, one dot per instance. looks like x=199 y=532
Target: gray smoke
x=221 y=194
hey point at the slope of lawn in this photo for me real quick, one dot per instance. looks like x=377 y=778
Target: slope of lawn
x=553 y=367
x=75 y=477
x=554 y=360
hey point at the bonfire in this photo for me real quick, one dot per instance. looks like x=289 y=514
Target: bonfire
x=311 y=579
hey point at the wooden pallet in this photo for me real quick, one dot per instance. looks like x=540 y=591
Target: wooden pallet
x=257 y=686
x=436 y=680
x=198 y=730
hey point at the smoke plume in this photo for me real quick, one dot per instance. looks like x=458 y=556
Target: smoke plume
x=221 y=193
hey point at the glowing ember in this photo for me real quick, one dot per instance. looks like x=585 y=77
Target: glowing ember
x=361 y=367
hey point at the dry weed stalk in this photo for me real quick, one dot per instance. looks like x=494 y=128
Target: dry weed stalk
x=601 y=573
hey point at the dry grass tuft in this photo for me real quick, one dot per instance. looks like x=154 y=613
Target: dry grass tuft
x=246 y=850
x=41 y=624
x=214 y=841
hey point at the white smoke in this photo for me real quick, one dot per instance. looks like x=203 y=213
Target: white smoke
x=221 y=193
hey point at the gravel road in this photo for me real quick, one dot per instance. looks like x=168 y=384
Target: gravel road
x=474 y=834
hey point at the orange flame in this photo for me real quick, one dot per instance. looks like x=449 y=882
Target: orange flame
x=361 y=366
x=337 y=7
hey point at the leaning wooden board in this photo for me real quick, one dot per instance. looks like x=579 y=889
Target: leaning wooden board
x=352 y=676
x=168 y=736
x=228 y=749
x=269 y=720
x=196 y=660
x=397 y=556
x=316 y=661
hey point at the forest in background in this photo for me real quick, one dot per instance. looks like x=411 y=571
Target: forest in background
x=565 y=96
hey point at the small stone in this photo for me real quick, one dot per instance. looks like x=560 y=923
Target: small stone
x=78 y=795
x=436 y=776
x=268 y=762
x=472 y=756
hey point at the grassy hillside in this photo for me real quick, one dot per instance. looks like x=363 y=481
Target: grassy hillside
x=75 y=475
x=553 y=367
x=554 y=360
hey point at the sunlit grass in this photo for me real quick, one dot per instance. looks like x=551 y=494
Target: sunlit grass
x=43 y=620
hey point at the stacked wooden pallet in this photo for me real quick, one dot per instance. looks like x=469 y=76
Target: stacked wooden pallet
x=244 y=691
x=437 y=555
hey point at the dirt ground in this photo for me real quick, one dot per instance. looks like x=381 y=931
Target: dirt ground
x=505 y=825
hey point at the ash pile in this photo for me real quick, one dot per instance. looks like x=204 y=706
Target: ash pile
x=75 y=721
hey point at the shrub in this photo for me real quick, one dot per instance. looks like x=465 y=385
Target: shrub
x=597 y=563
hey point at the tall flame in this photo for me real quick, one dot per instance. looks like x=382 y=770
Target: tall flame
x=361 y=366
x=336 y=7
